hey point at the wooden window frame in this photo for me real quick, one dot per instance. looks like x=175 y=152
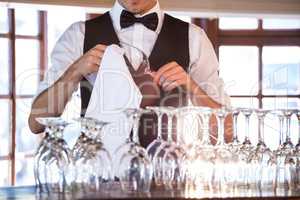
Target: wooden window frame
x=12 y=95
x=259 y=37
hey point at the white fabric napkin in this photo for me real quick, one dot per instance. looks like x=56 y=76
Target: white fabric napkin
x=114 y=90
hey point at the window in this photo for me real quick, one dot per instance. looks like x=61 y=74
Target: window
x=22 y=61
x=238 y=66
x=234 y=23
x=26 y=37
x=281 y=23
x=260 y=64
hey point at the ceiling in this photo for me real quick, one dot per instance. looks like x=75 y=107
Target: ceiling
x=192 y=7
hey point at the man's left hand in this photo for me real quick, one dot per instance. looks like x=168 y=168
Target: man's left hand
x=172 y=75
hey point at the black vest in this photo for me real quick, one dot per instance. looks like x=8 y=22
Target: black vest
x=172 y=44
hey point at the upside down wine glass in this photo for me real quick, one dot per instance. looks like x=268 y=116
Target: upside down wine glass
x=175 y=158
x=261 y=160
x=292 y=159
x=296 y=153
x=53 y=161
x=92 y=161
x=162 y=174
x=288 y=145
x=244 y=152
x=155 y=144
x=200 y=172
x=297 y=147
x=135 y=168
x=224 y=160
x=235 y=144
x=39 y=164
x=283 y=176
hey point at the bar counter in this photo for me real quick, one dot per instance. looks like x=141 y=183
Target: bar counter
x=29 y=193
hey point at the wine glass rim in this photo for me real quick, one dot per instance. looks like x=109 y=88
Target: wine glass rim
x=91 y=120
x=196 y=108
x=246 y=109
x=125 y=43
x=258 y=110
x=282 y=111
x=52 y=121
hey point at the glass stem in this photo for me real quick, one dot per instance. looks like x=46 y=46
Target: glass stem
x=261 y=129
x=159 y=122
x=288 y=128
x=235 y=136
x=177 y=127
x=280 y=130
x=221 y=140
x=298 y=129
x=135 y=136
x=57 y=132
x=48 y=132
x=170 y=120
x=247 y=128
x=206 y=138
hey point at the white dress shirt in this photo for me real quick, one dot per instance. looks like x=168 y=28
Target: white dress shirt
x=203 y=66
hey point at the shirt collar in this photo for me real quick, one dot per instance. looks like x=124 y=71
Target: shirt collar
x=117 y=9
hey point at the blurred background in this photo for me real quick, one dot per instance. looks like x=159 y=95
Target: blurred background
x=257 y=43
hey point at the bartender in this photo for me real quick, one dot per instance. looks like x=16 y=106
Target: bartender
x=182 y=59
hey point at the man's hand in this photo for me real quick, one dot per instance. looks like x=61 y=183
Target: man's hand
x=172 y=75
x=90 y=61
x=62 y=90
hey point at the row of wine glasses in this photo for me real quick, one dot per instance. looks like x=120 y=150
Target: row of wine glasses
x=170 y=163
x=88 y=166
x=225 y=166
x=59 y=169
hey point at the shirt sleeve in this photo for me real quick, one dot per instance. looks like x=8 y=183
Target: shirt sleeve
x=66 y=51
x=204 y=66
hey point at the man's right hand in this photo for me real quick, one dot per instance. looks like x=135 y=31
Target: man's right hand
x=61 y=91
x=90 y=61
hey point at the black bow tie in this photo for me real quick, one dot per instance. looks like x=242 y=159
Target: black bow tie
x=128 y=19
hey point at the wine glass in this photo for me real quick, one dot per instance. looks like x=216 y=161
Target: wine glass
x=283 y=176
x=288 y=145
x=235 y=144
x=92 y=161
x=247 y=112
x=175 y=158
x=224 y=160
x=261 y=160
x=200 y=170
x=244 y=152
x=42 y=150
x=134 y=167
x=164 y=168
x=155 y=144
x=145 y=64
x=296 y=154
x=131 y=140
x=293 y=157
x=297 y=147
x=53 y=164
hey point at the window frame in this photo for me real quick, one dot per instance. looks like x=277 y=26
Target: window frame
x=12 y=96
x=253 y=37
